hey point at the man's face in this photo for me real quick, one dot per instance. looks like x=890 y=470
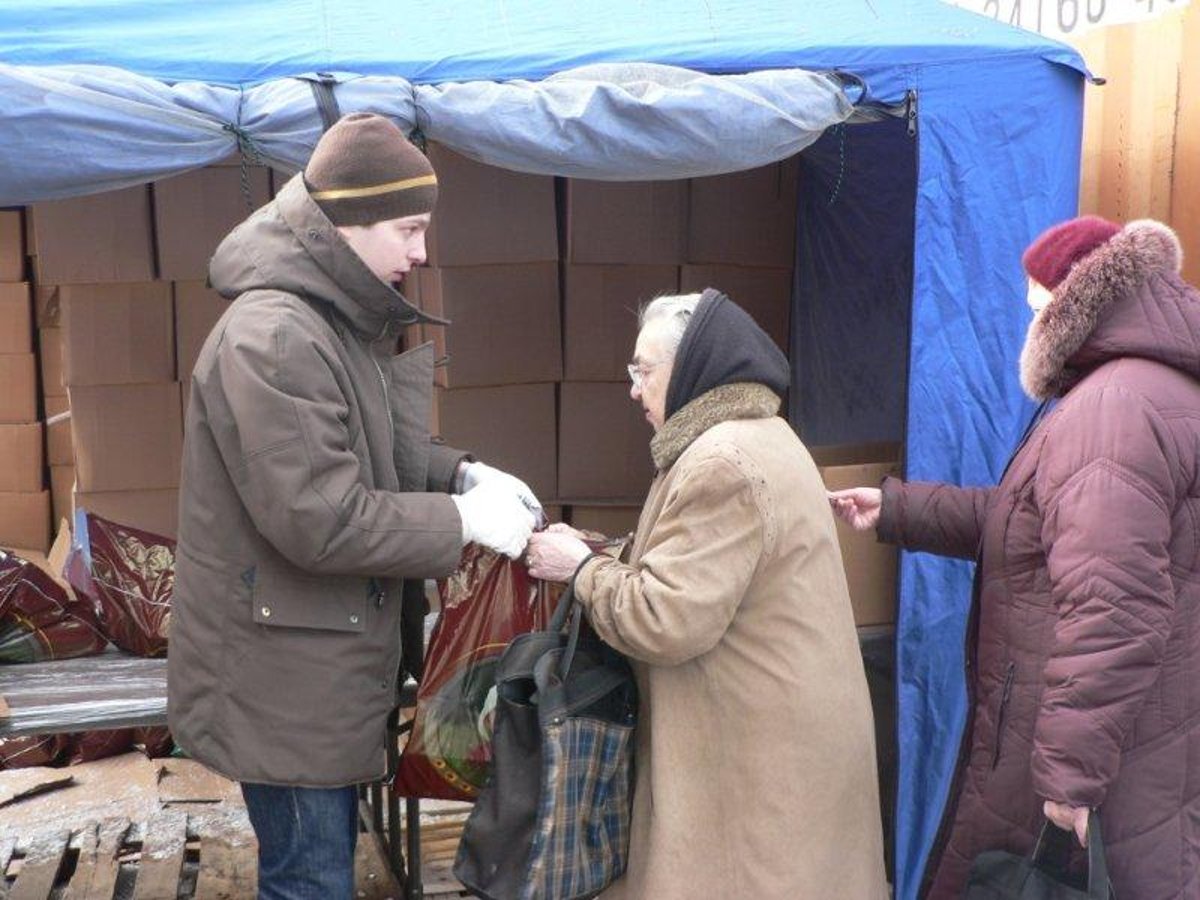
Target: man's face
x=653 y=372
x=391 y=248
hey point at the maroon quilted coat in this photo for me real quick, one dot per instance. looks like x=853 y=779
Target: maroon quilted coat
x=1084 y=649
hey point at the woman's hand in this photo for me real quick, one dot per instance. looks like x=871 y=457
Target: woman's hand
x=1068 y=818
x=857 y=507
x=555 y=555
x=564 y=528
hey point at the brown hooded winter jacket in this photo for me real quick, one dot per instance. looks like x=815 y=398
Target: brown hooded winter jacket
x=1084 y=648
x=308 y=495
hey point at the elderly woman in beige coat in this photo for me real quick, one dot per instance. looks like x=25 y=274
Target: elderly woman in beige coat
x=755 y=753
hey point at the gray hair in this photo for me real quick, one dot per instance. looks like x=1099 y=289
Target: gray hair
x=677 y=309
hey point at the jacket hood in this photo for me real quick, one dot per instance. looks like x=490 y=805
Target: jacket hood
x=290 y=245
x=1125 y=299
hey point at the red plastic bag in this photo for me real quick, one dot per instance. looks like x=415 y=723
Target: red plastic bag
x=88 y=746
x=39 y=618
x=487 y=602
x=129 y=575
x=33 y=750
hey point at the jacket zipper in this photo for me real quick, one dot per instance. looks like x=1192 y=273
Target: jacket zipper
x=387 y=405
x=1004 y=696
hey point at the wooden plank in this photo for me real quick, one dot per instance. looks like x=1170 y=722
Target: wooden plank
x=162 y=856
x=373 y=878
x=40 y=781
x=96 y=871
x=227 y=871
x=1139 y=119
x=1185 y=211
x=187 y=781
x=40 y=869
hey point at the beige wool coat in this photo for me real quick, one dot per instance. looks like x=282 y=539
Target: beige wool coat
x=755 y=751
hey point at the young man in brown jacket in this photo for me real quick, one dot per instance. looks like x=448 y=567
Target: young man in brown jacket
x=314 y=503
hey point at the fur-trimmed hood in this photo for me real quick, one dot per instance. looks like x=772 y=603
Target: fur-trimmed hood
x=1126 y=299
x=743 y=400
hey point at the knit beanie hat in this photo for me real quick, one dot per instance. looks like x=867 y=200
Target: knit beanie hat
x=364 y=170
x=1049 y=259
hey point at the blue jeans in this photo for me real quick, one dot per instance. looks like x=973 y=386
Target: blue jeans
x=306 y=840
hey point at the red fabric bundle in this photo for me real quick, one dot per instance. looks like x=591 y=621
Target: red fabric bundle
x=39 y=618
x=129 y=575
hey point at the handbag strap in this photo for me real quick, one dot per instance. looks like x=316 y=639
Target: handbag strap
x=1099 y=887
x=567 y=605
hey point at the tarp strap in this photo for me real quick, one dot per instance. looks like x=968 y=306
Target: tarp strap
x=322 y=85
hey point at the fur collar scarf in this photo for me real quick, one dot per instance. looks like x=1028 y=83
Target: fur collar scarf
x=744 y=400
x=1115 y=271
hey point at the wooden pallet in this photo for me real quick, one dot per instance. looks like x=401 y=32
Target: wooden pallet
x=169 y=857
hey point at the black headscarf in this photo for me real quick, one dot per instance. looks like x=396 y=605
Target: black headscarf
x=723 y=345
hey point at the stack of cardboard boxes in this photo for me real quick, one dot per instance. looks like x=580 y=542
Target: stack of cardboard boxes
x=542 y=279
x=121 y=313
x=24 y=500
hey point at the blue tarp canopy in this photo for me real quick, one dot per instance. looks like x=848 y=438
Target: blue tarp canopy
x=915 y=334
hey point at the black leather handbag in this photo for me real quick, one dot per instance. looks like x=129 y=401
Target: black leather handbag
x=552 y=823
x=1043 y=875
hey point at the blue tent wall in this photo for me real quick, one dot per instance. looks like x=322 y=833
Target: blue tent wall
x=976 y=212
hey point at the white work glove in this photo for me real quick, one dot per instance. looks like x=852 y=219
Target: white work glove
x=478 y=473
x=494 y=516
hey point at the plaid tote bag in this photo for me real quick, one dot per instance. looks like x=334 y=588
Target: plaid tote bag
x=553 y=821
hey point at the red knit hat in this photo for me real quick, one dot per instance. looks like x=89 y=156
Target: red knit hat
x=1049 y=259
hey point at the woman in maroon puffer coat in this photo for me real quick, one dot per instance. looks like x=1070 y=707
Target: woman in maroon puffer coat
x=1084 y=640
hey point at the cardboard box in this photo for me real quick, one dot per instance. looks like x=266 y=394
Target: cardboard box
x=18 y=387
x=47 y=306
x=603 y=444
x=626 y=222
x=50 y=357
x=764 y=293
x=610 y=521
x=25 y=520
x=22 y=462
x=155 y=511
x=16 y=318
x=870 y=565
x=118 y=333
x=62 y=484
x=58 y=432
x=185 y=395
x=506 y=326
x=197 y=309
x=12 y=246
x=600 y=310
x=193 y=212
x=745 y=218
x=487 y=215
x=511 y=428
x=126 y=437
x=100 y=237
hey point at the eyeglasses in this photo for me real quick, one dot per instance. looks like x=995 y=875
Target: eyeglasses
x=638 y=371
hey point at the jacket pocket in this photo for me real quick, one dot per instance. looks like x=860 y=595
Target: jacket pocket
x=285 y=597
x=1005 y=695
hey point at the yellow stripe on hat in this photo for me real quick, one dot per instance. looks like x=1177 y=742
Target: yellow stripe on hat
x=349 y=193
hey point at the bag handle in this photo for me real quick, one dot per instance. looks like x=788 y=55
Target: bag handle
x=567 y=605
x=1099 y=887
